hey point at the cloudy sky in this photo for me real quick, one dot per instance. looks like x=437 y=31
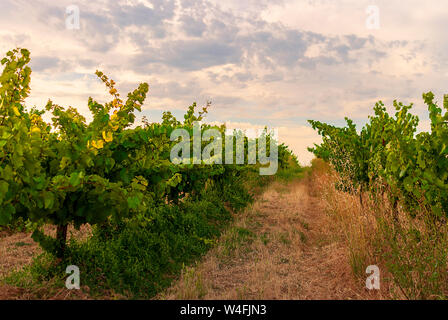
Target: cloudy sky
x=275 y=63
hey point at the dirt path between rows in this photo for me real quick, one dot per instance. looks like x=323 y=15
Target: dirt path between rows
x=280 y=248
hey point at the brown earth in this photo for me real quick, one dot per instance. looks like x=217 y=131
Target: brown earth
x=282 y=247
x=293 y=252
x=18 y=250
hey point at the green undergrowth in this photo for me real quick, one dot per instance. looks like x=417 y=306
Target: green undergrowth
x=293 y=173
x=141 y=256
x=19 y=225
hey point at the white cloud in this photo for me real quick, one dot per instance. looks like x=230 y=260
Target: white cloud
x=274 y=63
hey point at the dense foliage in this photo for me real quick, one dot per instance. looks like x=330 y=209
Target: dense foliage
x=99 y=172
x=388 y=155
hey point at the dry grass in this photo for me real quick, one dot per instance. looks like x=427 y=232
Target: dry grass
x=17 y=250
x=355 y=225
x=301 y=240
x=283 y=247
x=411 y=252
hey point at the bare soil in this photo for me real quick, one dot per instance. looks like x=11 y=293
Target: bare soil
x=294 y=253
x=282 y=247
